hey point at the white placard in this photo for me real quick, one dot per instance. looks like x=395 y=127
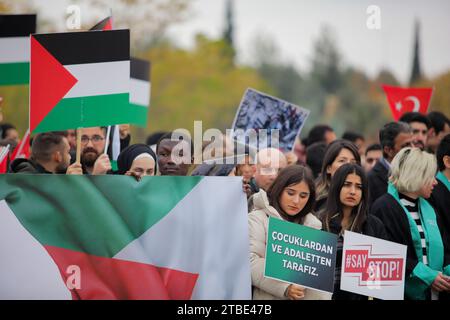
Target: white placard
x=373 y=267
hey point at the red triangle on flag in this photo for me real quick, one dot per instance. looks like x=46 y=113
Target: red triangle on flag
x=108 y=25
x=403 y=100
x=49 y=83
x=103 y=278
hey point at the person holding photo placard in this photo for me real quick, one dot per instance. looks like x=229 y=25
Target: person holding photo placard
x=347 y=208
x=291 y=198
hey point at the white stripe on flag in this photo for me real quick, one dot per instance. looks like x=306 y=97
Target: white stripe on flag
x=14 y=49
x=139 y=92
x=96 y=79
x=26 y=270
x=206 y=233
x=116 y=143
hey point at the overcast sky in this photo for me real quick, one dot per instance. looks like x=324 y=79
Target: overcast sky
x=294 y=24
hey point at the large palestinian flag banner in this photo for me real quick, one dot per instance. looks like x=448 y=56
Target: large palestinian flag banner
x=80 y=79
x=15 y=33
x=111 y=237
x=140 y=87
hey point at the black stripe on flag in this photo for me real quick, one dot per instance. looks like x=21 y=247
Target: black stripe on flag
x=17 y=25
x=99 y=26
x=140 y=69
x=87 y=47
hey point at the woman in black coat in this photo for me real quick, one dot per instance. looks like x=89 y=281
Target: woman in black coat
x=347 y=209
x=410 y=220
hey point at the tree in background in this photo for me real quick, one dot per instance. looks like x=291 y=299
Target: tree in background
x=416 y=73
x=199 y=84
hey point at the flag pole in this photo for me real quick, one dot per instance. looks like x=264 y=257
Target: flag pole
x=79 y=133
x=108 y=133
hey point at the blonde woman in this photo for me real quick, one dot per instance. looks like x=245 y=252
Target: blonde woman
x=410 y=220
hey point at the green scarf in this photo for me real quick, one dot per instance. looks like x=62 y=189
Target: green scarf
x=441 y=177
x=423 y=276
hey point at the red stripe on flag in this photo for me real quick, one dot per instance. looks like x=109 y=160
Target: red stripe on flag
x=103 y=278
x=49 y=83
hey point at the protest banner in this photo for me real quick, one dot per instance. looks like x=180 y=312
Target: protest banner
x=301 y=255
x=258 y=111
x=373 y=267
x=402 y=100
x=15 y=30
x=98 y=237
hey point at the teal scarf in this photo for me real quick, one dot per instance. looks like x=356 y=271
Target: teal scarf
x=441 y=177
x=423 y=275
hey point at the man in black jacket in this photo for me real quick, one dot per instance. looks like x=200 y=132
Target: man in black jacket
x=440 y=198
x=49 y=154
x=393 y=137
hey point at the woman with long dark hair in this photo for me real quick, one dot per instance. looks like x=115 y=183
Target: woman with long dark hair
x=347 y=209
x=291 y=198
x=338 y=153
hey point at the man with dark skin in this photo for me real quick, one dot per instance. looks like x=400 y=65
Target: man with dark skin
x=174 y=155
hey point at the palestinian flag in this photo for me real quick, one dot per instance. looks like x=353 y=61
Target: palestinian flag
x=80 y=79
x=140 y=87
x=98 y=237
x=15 y=33
x=104 y=25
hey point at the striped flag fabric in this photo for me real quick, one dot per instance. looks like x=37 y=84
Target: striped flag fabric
x=4 y=153
x=80 y=79
x=104 y=25
x=23 y=148
x=140 y=87
x=97 y=237
x=15 y=33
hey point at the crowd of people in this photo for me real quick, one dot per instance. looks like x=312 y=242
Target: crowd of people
x=397 y=189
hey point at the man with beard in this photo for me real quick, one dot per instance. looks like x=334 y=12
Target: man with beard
x=420 y=125
x=93 y=158
x=49 y=154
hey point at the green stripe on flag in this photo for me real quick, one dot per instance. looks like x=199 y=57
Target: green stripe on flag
x=102 y=110
x=140 y=112
x=14 y=73
x=98 y=215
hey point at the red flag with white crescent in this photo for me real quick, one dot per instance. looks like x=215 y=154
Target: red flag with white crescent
x=403 y=100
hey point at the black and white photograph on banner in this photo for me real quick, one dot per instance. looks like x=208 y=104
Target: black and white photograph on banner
x=259 y=111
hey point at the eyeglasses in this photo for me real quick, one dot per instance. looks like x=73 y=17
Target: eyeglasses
x=94 y=139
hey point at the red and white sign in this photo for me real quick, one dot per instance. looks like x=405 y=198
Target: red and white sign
x=402 y=100
x=373 y=267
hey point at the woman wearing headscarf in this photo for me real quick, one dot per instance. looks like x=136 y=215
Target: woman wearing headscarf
x=137 y=160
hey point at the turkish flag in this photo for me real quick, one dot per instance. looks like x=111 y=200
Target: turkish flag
x=402 y=100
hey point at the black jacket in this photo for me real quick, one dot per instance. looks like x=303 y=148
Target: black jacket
x=440 y=200
x=378 y=181
x=398 y=230
x=373 y=227
x=26 y=166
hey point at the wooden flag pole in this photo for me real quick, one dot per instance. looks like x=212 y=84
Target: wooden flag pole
x=79 y=133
